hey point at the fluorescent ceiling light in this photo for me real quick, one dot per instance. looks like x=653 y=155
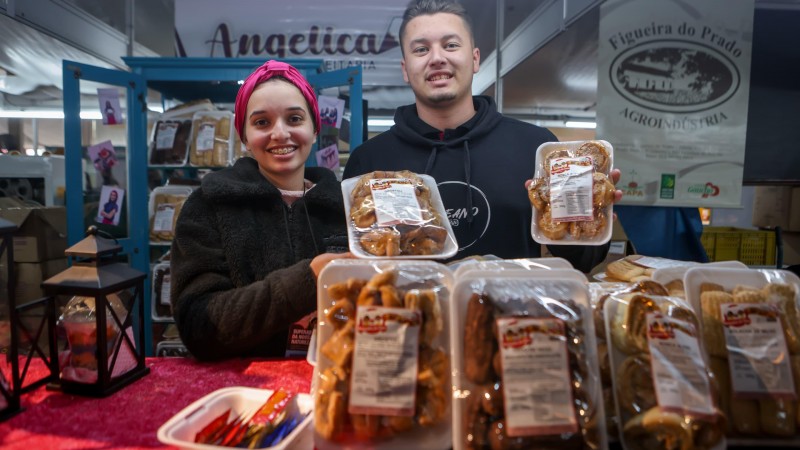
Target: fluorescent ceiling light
x=380 y=122
x=46 y=114
x=578 y=124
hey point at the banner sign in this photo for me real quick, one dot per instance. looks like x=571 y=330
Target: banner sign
x=673 y=88
x=343 y=33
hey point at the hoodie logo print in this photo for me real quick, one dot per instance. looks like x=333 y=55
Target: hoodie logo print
x=454 y=194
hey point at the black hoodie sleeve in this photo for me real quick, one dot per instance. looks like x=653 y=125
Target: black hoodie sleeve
x=582 y=257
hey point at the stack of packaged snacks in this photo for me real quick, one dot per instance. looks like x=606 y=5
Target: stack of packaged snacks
x=524 y=367
x=212 y=139
x=572 y=194
x=600 y=293
x=382 y=377
x=397 y=215
x=165 y=206
x=161 y=308
x=672 y=277
x=663 y=390
x=752 y=336
x=171 y=135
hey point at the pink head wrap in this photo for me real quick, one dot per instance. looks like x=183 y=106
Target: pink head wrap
x=269 y=70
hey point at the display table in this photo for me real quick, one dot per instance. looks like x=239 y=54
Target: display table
x=131 y=417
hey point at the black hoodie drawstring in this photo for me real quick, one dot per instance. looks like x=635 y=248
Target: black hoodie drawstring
x=431 y=160
x=308 y=222
x=469 y=183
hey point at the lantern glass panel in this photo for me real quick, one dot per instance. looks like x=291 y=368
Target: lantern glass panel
x=78 y=321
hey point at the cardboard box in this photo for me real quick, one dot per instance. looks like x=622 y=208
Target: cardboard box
x=794 y=211
x=791 y=248
x=771 y=206
x=42 y=233
x=31 y=275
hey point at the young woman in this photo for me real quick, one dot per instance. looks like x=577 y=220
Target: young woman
x=251 y=240
x=110 y=208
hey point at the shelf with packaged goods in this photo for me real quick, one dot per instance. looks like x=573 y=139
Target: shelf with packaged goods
x=175 y=80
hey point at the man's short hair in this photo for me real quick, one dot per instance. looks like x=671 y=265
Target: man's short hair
x=418 y=8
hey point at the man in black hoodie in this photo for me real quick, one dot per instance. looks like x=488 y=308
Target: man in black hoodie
x=479 y=158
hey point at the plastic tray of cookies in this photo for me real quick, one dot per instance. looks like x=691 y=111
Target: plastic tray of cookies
x=733 y=301
x=212 y=139
x=550 y=308
x=165 y=205
x=572 y=195
x=397 y=215
x=659 y=373
x=547 y=263
x=360 y=304
x=181 y=429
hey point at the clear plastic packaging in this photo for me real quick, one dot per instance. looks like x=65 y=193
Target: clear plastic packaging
x=369 y=394
x=663 y=390
x=522 y=341
x=397 y=215
x=572 y=194
x=212 y=141
x=160 y=308
x=751 y=332
x=521 y=263
x=672 y=277
x=170 y=137
x=165 y=206
x=181 y=429
x=80 y=361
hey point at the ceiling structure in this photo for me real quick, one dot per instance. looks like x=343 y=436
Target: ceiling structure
x=548 y=67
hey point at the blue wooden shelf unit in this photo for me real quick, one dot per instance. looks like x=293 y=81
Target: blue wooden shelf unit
x=174 y=79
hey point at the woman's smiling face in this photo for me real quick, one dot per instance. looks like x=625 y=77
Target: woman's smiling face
x=279 y=132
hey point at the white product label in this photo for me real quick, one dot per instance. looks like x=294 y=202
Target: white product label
x=385 y=361
x=395 y=201
x=661 y=263
x=205 y=137
x=679 y=375
x=571 y=189
x=757 y=354
x=165 y=285
x=536 y=379
x=163 y=218
x=165 y=136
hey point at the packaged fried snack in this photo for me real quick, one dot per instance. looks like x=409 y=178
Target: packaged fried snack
x=524 y=363
x=212 y=138
x=397 y=214
x=664 y=391
x=572 y=194
x=165 y=206
x=382 y=378
x=750 y=327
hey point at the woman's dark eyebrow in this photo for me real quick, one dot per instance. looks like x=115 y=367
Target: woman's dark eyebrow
x=291 y=108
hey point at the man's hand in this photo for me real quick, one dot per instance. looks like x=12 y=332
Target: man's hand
x=320 y=261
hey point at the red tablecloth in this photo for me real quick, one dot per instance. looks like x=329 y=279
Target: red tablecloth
x=131 y=417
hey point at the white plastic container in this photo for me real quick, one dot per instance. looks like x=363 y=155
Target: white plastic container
x=505 y=264
x=163 y=215
x=355 y=233
x=666 y=274
x=568 y=149
x=410 y=275
x=520 y=292
x=181 y=429
x=212 y=139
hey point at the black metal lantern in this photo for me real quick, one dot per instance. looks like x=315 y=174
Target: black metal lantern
x=107 y=304
x=9 y=366
x=29 y=342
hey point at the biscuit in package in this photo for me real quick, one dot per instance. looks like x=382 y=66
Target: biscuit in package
x=663 y=388
x=750 y=328
x=524 y=363
x=572 y=194
x=382 y=378
x=397 y=214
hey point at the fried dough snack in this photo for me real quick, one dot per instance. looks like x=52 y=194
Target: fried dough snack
x=164 y=201
x=752 y=417
x=483 y=419
x=602 y=195
x=331 y=419
x=427 y=238
x=214 y=152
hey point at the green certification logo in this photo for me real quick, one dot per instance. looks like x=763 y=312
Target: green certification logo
x=667 y=185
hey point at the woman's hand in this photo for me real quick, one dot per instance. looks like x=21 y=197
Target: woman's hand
x=320 y=261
